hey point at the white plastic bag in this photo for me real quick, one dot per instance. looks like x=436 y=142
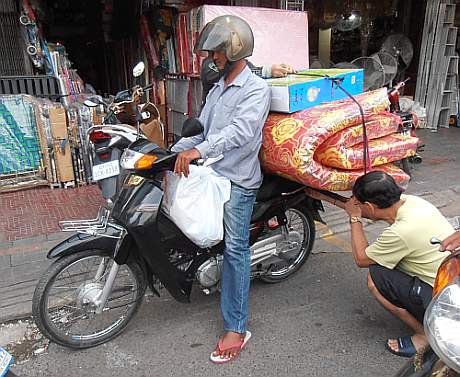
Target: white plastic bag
x=196 y=204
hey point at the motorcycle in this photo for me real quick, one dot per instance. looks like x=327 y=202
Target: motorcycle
x=97 y=283
x=407 y=127
x=124 y=122
x=442 y=326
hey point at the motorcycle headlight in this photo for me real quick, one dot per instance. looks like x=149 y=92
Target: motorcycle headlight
x=132 y=160
x=442 y=318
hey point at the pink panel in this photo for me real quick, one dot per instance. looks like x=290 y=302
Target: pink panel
x=281 y=36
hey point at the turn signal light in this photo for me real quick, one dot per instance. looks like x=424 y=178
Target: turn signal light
x=448 y=272
x=145 y=162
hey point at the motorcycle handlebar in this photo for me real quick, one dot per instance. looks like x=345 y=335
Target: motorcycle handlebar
x=399 y=85
x=109 y=115
x=148 y=87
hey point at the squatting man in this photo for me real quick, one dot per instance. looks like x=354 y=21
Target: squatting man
x=402 y=262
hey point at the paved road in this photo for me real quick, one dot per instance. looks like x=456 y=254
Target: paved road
x=321 y=322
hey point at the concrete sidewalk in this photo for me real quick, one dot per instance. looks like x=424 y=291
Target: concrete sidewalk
x=28 y=229
x=22 y=261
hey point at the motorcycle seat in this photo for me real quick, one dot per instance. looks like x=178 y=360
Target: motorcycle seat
x=274 y=185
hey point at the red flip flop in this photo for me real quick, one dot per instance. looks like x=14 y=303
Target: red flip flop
x=216 y=357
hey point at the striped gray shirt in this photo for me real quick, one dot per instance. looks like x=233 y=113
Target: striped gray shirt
x=233 y=119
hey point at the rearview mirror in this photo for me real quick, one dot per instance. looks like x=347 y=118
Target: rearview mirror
x=138 y=69
x=191 y=127
x=90 y=103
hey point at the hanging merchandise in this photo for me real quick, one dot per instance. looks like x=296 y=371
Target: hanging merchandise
x=182 y=45
x=36 y=46
x=162 y=20
x=69 y=81
x=148 y=43
x=193 y=32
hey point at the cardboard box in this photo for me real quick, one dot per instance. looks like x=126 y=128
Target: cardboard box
x=61 y=145
x=309 y=88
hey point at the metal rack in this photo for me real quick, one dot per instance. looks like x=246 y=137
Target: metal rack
x=13 y=55
x=292 y=5
x=93 y=227
x=38 y=86
x=438 y=68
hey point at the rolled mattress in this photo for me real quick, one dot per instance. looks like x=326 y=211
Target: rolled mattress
x=322 y=146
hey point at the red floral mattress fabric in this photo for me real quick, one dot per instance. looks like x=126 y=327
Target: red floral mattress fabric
x=322 y=147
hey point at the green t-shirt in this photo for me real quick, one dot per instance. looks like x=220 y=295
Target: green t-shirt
x=405 y=245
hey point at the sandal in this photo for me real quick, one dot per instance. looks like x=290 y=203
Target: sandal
x=406 y=347
x=216 y=356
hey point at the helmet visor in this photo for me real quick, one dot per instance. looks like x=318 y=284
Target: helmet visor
x=213 y=37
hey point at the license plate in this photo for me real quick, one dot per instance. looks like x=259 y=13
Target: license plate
x=106 y=170
x=5 y=361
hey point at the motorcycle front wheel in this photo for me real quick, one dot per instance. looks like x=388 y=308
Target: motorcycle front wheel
x=64 y=301
x=299 y=220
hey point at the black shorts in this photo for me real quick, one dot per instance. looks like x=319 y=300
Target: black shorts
x=402 y=290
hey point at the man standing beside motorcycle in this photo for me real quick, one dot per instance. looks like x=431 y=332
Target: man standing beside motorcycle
x=233 y=118
x=402 y=262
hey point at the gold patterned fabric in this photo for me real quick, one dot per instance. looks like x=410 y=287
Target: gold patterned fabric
x=322 y=146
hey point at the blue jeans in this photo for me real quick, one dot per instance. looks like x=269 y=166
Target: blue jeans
x=236 y=270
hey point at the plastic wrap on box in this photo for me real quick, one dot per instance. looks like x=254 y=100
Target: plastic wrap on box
x=19 y=140
x=290 y=142
x=281 y=36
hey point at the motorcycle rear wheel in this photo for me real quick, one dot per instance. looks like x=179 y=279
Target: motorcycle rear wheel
x=63 y=306
x=301 y=220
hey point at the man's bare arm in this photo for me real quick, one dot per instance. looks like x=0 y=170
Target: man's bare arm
x=358 y=238
x=451 y=243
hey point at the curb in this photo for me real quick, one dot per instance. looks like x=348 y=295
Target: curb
x=31 y=244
